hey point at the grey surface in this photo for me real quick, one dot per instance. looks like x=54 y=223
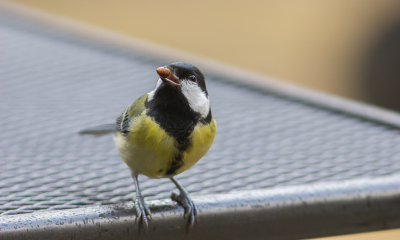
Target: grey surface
x=291 y=212
x=52 y=85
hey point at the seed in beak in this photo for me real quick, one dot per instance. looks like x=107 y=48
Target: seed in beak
x=163 y=72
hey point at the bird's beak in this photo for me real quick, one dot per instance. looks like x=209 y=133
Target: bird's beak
x=168 y=77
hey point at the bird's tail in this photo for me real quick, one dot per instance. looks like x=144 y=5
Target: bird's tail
x=99 y=130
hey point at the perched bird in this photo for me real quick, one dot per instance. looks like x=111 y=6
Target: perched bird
x=165 y=132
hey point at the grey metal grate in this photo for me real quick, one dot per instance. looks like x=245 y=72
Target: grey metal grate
x=53 y=85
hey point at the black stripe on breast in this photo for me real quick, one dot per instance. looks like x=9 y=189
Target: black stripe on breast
x=170 y=109
x=176 y=164
x=182 y=145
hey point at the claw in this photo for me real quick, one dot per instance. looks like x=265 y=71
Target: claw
x=190 y=209
x=143 y=213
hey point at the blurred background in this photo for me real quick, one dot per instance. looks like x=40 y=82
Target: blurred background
x=348 y=48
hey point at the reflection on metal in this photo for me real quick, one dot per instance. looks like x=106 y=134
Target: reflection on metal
x=293 y=212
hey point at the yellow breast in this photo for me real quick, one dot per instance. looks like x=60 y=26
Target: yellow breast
x=149 y=150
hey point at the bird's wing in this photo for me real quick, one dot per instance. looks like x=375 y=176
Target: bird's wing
x=122 y=124
x=100 y=130
x=132 y=111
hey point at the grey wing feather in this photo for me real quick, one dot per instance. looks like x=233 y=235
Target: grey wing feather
x=122 y=123
x=100 y=130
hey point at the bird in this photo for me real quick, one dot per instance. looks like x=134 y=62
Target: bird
x=165 y=132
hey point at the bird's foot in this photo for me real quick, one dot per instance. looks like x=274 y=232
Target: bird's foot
x=190 y=209
x=143 y=213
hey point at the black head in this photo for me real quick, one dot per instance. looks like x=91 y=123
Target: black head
x=180 y=85
x=182 y=72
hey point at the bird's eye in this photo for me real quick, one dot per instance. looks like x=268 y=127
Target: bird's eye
x=193 y=78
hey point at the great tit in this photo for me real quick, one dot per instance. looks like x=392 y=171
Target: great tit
x=165 y=132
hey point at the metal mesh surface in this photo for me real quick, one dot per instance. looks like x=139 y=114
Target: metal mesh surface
x=52 y=85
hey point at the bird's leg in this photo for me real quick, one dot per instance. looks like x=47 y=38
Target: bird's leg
x=142 y=211
x=184 y=200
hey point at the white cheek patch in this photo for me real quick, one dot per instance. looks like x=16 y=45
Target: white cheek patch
x=151 y=94
x=197 y=99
